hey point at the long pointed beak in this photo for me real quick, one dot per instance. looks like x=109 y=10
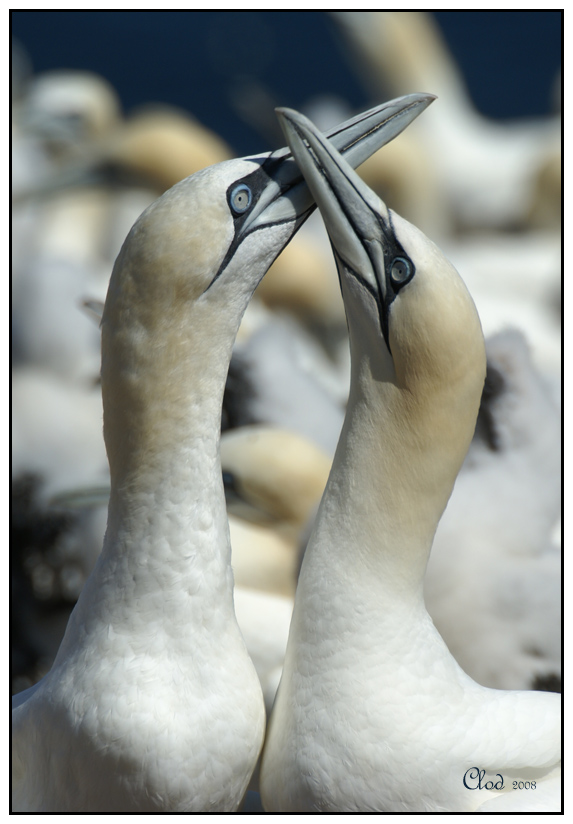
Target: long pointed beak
x=361 y=136
x=357 y=221
x=356 y=139
x=279 y=190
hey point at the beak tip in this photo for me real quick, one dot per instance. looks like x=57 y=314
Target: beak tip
x=284 y=113
x=287 y=118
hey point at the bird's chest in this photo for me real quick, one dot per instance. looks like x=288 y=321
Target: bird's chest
x=368 y=727
x=151 y=730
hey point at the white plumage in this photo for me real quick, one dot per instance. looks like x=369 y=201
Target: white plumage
x=152 y=680
x=153 y=704
x=372 y=712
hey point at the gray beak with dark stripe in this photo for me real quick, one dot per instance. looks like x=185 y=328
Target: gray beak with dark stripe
x=356 y=139
x=358 y=222
x=276 y=191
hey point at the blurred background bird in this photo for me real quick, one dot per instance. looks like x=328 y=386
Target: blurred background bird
x=111 y=109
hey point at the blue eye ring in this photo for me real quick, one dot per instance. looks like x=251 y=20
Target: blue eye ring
x=240 y=198
x=401 y=270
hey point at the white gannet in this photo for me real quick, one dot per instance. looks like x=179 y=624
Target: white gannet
x=372 y=712
x=76 y=118
x=67 y=112
x=152 y=704
x=489 y=170
x=273 y=481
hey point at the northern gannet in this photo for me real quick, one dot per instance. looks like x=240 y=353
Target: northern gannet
x=372 y=712
x=76 y=118
x=152 y=704
x=68 y=112
x=489 y=170
x=273 y=480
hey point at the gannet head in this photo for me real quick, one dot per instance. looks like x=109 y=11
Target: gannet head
x=201 y=232
x=272 y=475
x=404 y=299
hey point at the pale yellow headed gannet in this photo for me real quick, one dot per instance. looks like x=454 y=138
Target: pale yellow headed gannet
x=489 y=171
x=372 y=712
x=152 y=704
x=274 y=479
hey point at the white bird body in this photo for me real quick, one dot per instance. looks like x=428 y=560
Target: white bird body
x=143 y=694
x=372 y=712
x=153 y=704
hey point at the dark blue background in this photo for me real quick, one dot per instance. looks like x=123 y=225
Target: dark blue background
x=198 y=59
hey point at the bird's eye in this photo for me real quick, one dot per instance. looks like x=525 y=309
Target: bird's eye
x=241 y=197
x=401 y=271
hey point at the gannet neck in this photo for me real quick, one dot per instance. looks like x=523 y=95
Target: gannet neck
x=410 y=416
x=157 y=333
x=153 y=704
x=388 y=487
x=165 y=354
x=373 y=714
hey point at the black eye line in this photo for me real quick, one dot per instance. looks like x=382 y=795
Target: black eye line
x=237 y=240
x=389 y=294
x=256 y=188
x=388 y=253
x=381 y=305
x=262 y=178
